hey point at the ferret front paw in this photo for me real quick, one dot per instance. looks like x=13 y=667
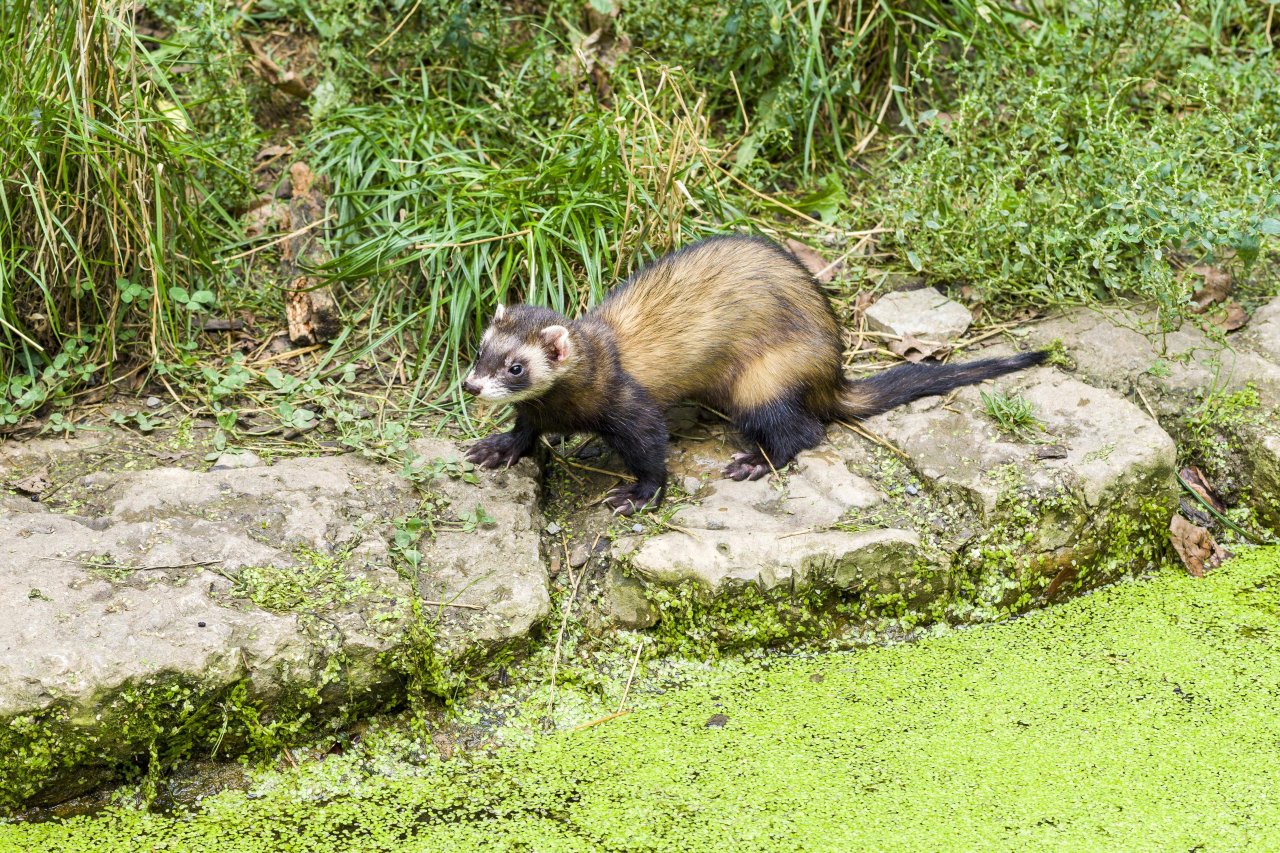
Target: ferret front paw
x=628 y=500
x=497 y=451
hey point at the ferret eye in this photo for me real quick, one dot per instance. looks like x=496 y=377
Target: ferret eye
x=515 y=369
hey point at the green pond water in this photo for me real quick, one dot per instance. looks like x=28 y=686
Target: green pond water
x=1145 y=716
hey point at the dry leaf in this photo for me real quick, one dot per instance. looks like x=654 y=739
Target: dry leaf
x=310 y=307
x=269 y=218
x=267 y=68
x=1196 y=547
x=861 y=303
x=817 y=265
x=1232 y=318
x=33 y=484
x=1199 y=484
x=272 y=152
x=915 y=350
x=600 y=48
x=1216 y=286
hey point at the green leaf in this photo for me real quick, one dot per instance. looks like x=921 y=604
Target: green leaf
x=914 y=260
x=823 y=203
x=1269 y=226
x=276 y=377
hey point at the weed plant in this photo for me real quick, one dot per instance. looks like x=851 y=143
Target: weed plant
x=1095 y=158
x=478 y=152
x=98 y=217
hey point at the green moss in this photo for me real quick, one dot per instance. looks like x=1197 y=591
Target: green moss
x=319 y=581
x=1049 y=546
x=1141 y=716
x=693 y=623
x=142 y=730
x=806 y=614
x=1211 y=429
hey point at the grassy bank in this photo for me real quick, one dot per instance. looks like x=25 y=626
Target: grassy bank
x=1034 y=154
x=1144 y=715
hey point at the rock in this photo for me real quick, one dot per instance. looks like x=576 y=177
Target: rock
x=775 y=538
x=925 y=314
x=1047 y=525
x=153 y=402
x=498 y=569
x=236 y=459
x=1263 y=330
x=718 y=560
x=273 y=589
x=579 y=556
x=1174 y=373
x=968 y=524
x=625 y=605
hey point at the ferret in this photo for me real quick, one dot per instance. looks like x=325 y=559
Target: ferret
x=736 y=323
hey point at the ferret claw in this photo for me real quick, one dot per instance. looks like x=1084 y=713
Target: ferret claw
x=496 y=451
x=747 y=466
x=628 y=500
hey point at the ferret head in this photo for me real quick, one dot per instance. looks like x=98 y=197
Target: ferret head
x=523 y=352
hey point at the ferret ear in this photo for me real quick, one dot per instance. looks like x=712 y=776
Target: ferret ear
x=555 y=339
x=498 y=313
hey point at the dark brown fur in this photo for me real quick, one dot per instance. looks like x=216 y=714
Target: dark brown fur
x=734 y=322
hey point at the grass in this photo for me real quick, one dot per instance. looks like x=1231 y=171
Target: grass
x=543 y=151
x=1013 y=413
x=99 y=216
x=552 y=217
x=1086 y=165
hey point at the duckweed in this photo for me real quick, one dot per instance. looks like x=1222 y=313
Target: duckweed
x=1143 y=715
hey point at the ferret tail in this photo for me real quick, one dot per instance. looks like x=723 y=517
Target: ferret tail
x=906 y=382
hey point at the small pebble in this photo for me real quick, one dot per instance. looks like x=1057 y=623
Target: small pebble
x=912 y=490
x=579 y=555
x=554 y=528
x=692 y=485
x=236 y=459
x=153 y=402
x=199 y=624
x=637 y=528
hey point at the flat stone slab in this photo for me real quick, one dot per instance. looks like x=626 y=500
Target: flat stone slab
x=776 y=539
x=1182 y=376
x=959 y=521
x=273 y=588
x=1094 y=443
x=1075 y=505
x=925 y=314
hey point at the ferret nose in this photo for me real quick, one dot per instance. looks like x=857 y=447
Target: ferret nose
x=470 y=385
